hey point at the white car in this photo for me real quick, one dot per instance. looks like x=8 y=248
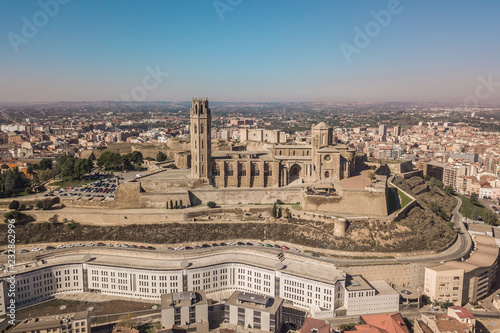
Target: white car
x=117 y=245
x=259 y=244
x=295 y=249
x=231 y=243
x=79 y=245
x=36 y=249
x=124 y=245
x=179 y=248
x=60 y=246
x=69 y=245
x=109 y=244
x=89 y=244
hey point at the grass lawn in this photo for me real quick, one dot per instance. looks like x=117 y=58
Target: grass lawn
x=404 y=199
x=468 y=207
x=52 y=308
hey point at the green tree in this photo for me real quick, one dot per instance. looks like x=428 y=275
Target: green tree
x=180 y=204
x=54 y=219
x=449 y=190
x=13 y=181
x=39 y=205
x=489 y=217
x=45 y=164
x=14 y=205
x=275 y=210
x=171 y=204
x=474 y=198
x=211 y=204
x=160 y=157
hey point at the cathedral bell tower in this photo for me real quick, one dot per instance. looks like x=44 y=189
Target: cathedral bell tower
x=201 y=143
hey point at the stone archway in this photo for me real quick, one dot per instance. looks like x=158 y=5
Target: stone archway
x=294 y=173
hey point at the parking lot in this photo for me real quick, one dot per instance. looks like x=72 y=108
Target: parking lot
x=103 y=186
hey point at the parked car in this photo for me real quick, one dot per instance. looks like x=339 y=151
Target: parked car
x=24 y=251
x=60 y=246
x=36 y=249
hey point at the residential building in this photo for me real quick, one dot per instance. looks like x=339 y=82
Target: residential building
x=312 y=325
x=382 y=323
x=78 y=322
x=460 y=282
x=254 y=311
x=186 y=309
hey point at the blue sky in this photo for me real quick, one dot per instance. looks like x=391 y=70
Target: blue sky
x=262 y=50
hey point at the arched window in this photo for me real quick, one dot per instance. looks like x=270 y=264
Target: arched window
x=324 y=140
x=201 y=109
x=327 y=174
x=201 y=128
x=202 y=144
x=195 y=145
x=293 y=153
x=195 y=129
x=196 y=109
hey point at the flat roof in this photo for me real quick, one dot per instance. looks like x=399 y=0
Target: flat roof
x=308 y=268
x=183 y=299
x=255 y=301
x=357 y=283
x=41 y=323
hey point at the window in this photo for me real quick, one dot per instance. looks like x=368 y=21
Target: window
x=243 y=170
x=215 y=169
x=229 y=169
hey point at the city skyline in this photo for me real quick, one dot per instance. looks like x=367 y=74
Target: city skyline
x=250 y=51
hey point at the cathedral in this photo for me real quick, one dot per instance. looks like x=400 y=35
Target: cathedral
x=320 y=161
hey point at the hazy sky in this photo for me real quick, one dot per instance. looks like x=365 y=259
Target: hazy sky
x=250 y=50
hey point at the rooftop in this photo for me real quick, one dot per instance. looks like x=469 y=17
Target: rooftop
x=183 y=299
x=255 y=301
x=296 y=265
x=43 y=323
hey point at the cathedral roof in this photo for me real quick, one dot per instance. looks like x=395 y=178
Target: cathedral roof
x=321 y=125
